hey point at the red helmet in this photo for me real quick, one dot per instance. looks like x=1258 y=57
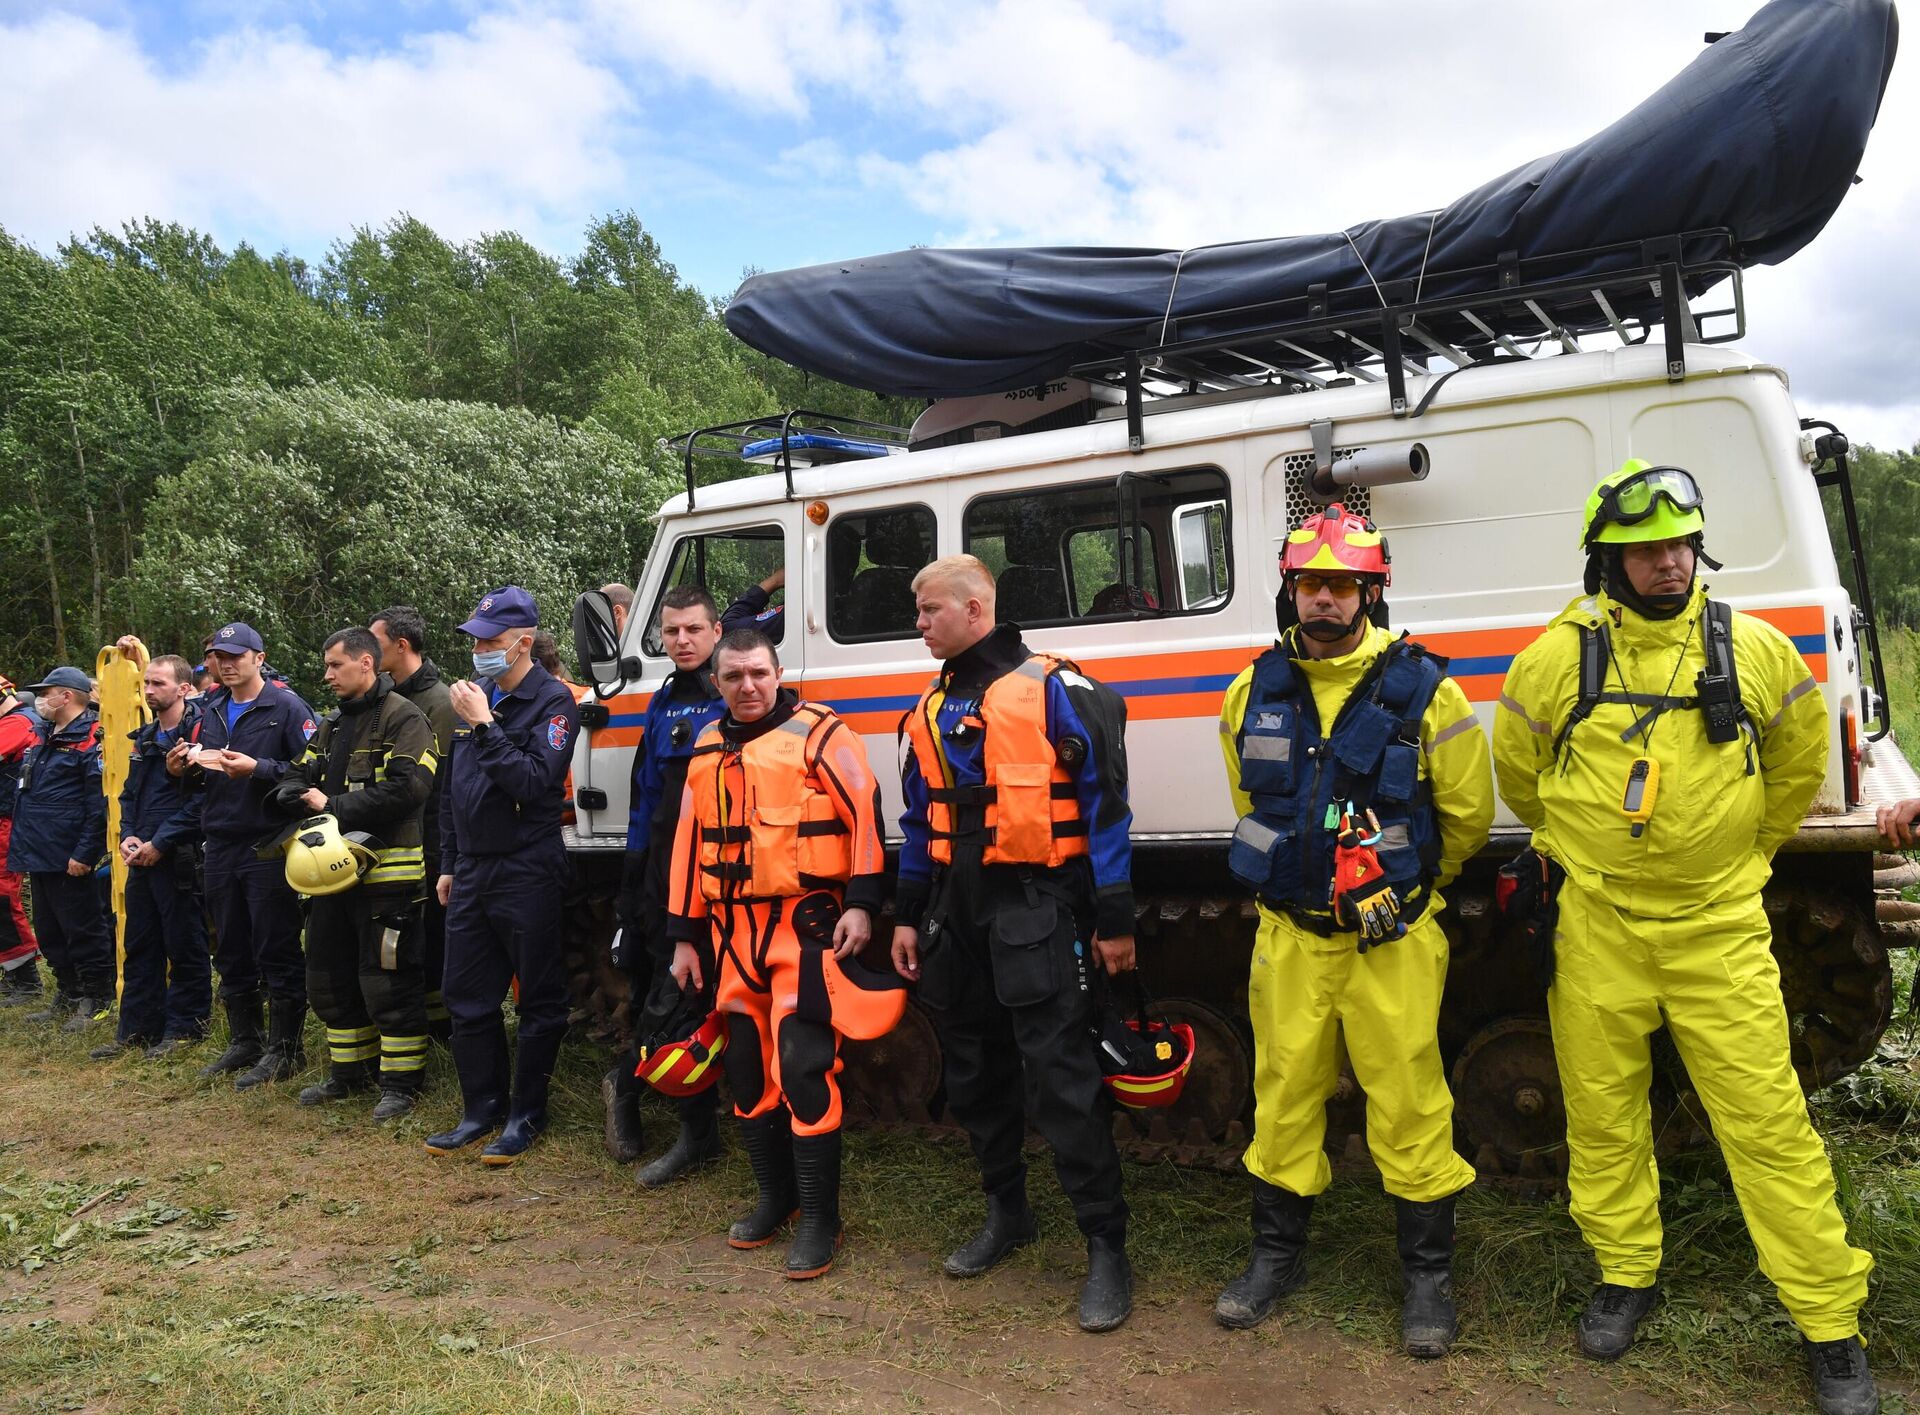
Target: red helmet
x=685 y=1065
x=1336 y=541
x=1143 y=1061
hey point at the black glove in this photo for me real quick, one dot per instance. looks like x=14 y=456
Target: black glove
x=1528 y=892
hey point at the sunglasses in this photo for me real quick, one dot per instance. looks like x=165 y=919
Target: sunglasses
x=1340 y=585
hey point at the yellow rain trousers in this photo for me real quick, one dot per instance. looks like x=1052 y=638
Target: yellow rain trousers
x=1305 y=991
x=1668 y=927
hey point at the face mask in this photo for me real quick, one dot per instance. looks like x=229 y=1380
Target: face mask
x=491 y=663
x=43 y=705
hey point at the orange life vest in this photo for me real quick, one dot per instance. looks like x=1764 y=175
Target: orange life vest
x=1032 y=805
x=768 y=828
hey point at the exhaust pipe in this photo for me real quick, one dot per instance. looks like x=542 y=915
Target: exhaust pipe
x=1392 y=465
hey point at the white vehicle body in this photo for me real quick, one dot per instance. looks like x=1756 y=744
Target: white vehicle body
x=1485 y=552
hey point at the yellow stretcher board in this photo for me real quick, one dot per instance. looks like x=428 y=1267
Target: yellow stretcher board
x=123 y=711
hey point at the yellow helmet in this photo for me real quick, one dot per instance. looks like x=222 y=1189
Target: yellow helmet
x=320 y=860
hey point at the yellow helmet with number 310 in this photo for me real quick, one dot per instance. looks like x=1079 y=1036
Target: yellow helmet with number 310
x=320 y=860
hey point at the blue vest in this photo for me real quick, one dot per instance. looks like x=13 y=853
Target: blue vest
x=1299 y=778
x=10 y=770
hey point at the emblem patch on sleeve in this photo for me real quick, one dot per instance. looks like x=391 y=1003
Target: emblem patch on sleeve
x=557 y=733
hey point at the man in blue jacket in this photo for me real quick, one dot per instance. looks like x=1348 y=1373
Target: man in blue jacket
x=503 y=876
x=677 y=714
x=167 y=978
x=250 y=731
x=59 y=837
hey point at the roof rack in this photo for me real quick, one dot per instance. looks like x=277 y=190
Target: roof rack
x=803 y=436
x=1378 y=331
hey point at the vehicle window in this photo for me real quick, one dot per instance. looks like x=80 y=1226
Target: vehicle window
x=1153 y=544
x=728 y=563
x=872 y=557
x=1202 y=542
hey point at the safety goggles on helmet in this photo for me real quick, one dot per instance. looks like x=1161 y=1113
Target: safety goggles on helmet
x=1631 y=500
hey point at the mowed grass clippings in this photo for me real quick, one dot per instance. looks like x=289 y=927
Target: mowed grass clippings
x=170 y=1245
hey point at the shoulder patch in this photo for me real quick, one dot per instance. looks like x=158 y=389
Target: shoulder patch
x=1072 y=679
x=557 y=731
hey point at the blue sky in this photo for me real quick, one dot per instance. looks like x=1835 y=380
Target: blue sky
x=774 y=133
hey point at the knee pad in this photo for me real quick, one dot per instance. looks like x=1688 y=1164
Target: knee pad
x=807 y=1052
x=746 y=1076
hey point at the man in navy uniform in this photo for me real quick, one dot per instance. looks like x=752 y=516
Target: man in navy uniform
x=167 y=982
x=678 y=713
x=59 y=836
x=503 y=873
x=250 y=732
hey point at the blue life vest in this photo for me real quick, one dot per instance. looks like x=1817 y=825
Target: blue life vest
x=1299 y=778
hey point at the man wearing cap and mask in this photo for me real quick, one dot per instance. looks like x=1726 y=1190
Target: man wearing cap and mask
x=20 y=730
x=251 y=731
x=1661 y=747
x=59 y=837
x=503 y=873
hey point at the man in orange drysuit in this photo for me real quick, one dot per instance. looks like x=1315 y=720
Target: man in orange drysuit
x=778 y=869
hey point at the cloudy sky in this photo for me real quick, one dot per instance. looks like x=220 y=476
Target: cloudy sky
x=774 y=133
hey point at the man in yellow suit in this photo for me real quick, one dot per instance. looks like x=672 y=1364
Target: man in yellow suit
x=1359 y=772
x=1662 y=747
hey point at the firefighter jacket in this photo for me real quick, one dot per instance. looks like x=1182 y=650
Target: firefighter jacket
x=20 y=731
x=1298 y=770
x=373 y=758
x=272 y=729
x=773 y=809
x=60 y=812
x=155 y=807
x=1721 y=809
x=426 y=689
x=1016 y=758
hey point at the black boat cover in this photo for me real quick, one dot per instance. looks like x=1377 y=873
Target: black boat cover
x=1761 y=134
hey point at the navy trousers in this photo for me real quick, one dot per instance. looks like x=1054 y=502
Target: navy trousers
x=76 y=934
x=166 y=980
x=256 y=923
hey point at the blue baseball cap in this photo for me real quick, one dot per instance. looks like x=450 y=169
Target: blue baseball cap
x=236 y=638
x=508 y=607
x=64 y=678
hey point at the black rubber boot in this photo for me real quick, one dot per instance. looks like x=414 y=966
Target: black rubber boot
x=768 y=1141
x=697 y=1144
x=480 y=1059
x=1842 y=1384
x=816 y=1174
x=1278 y=1263
x=344 y=1079
x=1612 y=1317
x=244 y=1037
x=115 y=1048
x=20 y=984
x=1010 y=1224
x=167 y=1046
x=625 y=1138
x=1107 y=1299
x=1428 y=1322
x=527 y=1121
x=286 y=1051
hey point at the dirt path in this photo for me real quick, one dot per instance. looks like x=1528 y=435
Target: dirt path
x=563 y=1257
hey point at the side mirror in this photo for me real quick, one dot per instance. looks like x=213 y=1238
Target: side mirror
x=595 y=644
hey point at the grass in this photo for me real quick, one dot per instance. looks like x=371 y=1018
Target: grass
x=170 y=1247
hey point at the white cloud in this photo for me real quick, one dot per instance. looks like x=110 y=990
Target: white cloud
x=502 y=125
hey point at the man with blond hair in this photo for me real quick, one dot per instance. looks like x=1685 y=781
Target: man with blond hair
x=1015 y=876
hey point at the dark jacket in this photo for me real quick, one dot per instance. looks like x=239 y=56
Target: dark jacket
x=160 y=809
x=503 y=781
x=273 y=730
x=20 y=731
x=60 y=811
x=377 y=780
x=427 y=690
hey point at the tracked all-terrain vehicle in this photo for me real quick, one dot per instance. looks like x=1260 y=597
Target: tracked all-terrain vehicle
x=1131 y=499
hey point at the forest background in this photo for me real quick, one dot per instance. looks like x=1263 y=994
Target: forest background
x=190 y=436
